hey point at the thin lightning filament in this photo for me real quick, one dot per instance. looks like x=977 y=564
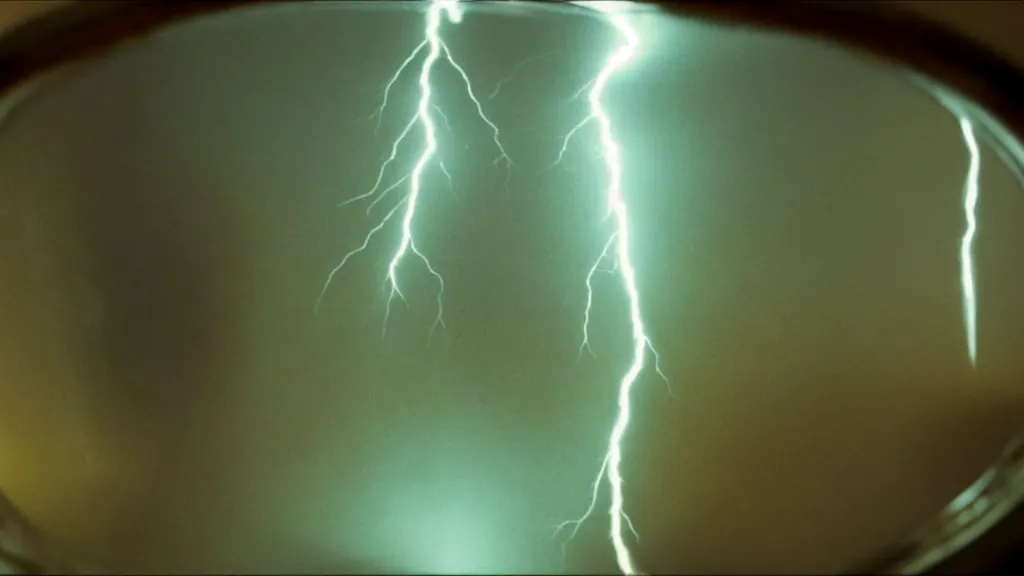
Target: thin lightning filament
x=971 y=188
x=618 y=248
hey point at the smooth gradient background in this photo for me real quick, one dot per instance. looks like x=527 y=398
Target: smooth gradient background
x=171 y=402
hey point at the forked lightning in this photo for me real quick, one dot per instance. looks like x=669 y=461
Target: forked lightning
x=406 y=208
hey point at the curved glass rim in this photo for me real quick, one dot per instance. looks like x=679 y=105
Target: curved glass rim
x=964 y=77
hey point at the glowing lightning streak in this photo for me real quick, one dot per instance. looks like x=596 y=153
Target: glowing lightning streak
x=406 y=244
x=435 y=48
x=966 y=260
x=619 y=243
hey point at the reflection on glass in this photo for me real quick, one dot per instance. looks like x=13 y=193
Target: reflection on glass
x=368 y=288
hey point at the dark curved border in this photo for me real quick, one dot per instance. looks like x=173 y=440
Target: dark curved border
x=83 y=29
x=941 y=62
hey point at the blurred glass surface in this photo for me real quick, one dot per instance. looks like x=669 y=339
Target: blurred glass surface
x=170 y=402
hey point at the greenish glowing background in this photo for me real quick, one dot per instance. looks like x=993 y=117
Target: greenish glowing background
x=169 y=402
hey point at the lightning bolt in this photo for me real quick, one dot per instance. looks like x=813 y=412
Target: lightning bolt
x=405 y=209
x=617 y=247
x=971 y=188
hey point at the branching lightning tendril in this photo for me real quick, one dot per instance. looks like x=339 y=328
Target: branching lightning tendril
x=971 y=188
x=517 y=69
x=618 y=247
x=435 y=49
